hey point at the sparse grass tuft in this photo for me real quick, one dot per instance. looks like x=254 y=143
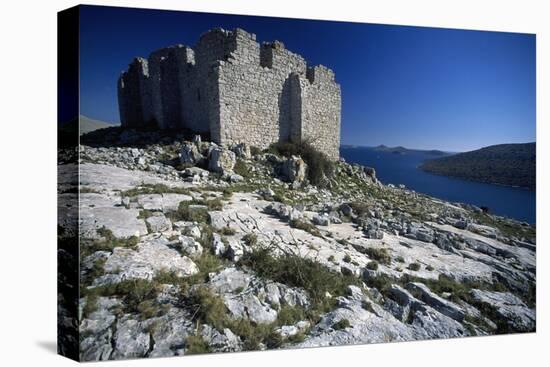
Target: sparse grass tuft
x=195 y=344
x=207 y=307
x=88 y=190
x=214 y=204
x=305 y=226
x=373 y=265
x=107 y=243
x=381 y=255
x=296 y=271
x=228 y=231
x=193 y=211
x=251 y=239
x=255 y=150
x=144 y=214
x=241 y=168
x=342 y=324
x=155 y=189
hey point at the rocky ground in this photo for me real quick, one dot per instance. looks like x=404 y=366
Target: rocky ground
x=187 y=247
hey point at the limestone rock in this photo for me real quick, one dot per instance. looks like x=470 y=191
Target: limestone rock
x=122 y=222
x=225 y=341
x=242 y=150
x=131 y=341
x=284 y=212
x=509 y=307
x=189 y=246
x=218 y=246
x=235 y=249
x=246 y=296
x=189 y=154
x=221 y=161
x=97 y=331
x=150 y=257
x=169 y=332
x=445 y=307
x=294 y=169
x=321 y=219
x=159 y=223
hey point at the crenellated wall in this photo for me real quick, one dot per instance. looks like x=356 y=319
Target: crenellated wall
x=237 y=90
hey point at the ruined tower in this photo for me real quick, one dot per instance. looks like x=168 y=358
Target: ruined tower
x=237 y=90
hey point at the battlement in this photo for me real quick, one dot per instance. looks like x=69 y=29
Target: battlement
x=320 y=74
x=274 y=55
x=234 y=88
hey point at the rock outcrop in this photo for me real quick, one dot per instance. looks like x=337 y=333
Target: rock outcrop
x=177 y=260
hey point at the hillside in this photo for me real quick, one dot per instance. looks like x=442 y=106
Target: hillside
x=88 y=125
x=403 y=150
x=189 y=247
x=84 y=124
x=506 y=164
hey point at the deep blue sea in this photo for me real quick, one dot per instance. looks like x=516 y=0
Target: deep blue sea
x=397 y=169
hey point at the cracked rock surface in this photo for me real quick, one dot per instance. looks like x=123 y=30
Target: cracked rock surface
x=177 y=260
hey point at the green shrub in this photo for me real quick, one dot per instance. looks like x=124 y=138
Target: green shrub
x=107 y=243
x=381 y=255
x=251 y=239
x=195 y=344
x=342 y=324
x=296 y=271
x=207 y=263
x=414 y=266
x=359 y=208
x=228 y=231
x=133 y=292
x=144 y=214
x=241 y=168
x=255 y=150
x=252 y=335
x=381 y=282
x=208 y=308
x=347 y=258
x=227 y=193
x=305 y=226
x=155 y=189
x=400 y=259
x=373 y=265
x=279 y=198
x=289 y=315
x=147 y=309
x=88 y=190
x=367 y=306
x=320 y=167
x=214 y=204
x=191 y=211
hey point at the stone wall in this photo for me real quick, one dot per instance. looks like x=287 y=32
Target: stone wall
x=237 y=90
x=320 y=111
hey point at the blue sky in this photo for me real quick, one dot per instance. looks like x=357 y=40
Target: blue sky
x=427 y=88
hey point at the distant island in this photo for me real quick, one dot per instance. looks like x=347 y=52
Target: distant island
x=505 y=164
x=396 y=150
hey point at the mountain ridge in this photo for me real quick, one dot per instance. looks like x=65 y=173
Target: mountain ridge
x=505 y=164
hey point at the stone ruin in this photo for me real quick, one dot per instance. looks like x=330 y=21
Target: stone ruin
x=236 y=90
